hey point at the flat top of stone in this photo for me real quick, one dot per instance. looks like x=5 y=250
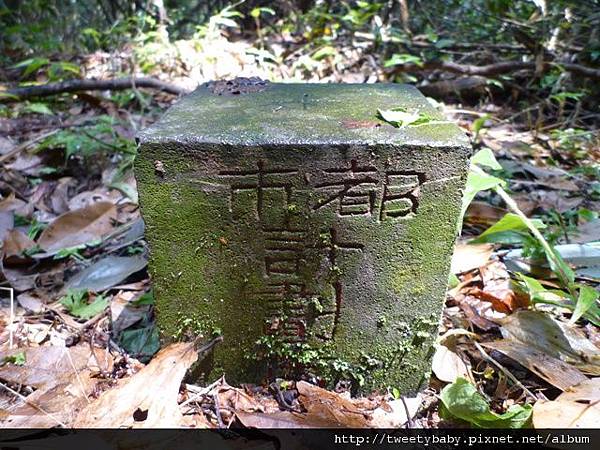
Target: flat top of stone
x=249 y=112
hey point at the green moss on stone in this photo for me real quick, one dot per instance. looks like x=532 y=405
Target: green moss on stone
x=208 y=247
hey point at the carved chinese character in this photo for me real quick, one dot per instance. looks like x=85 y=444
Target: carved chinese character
x=400 y=194
x=354 y=189
x=287 y=309
x=266 y=185
x=284 y=249
x=363 y=190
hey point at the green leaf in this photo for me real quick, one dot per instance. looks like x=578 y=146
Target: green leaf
x=532 y=285
x=31 y=65
x=76 y=303
x=559 y=266
x=70 y=252
x=126 y=189
x=453 y=281
x=324 y=52
x=18 y=359
x=511 y=229
x=587 y=298
x=588 y=308
x=444 y=42
x=485 y=157
x=7 y=96
x=400 y=118
x=477 y=182
x=38 y=108
x=461 y=400
x=147 y=298
x=256 y=12
x=401 y=59
x=141 y=343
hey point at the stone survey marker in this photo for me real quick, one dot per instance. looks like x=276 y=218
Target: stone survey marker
x=290 y=218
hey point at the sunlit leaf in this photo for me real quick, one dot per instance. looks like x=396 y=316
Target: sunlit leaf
x=461 y=400
x=38 y=108
x=586 y=299
x=511 y=229
x=485 y=157
x=76 y=303
x=477 y=182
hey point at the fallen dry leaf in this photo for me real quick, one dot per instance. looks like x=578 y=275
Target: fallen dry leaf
x=88 y=198
x=31 y=302
x=553 y=370
x=63 y=381
x=78 y=227
x=148 y=399
x=323 y=409
x=396 y=417
x=578 y=407
x=553 y=200
x=280 y=419
x=467 y=257
x=44 y=275
x=237 y=400
x=447 y=365
x=122 y=314
x=15 y=244
x=484 y=213
x=46 y=366
x=330 y=408
x=13 y=204
x=552 y=337
x=497 y=289
x=7 y=222
x=107 y=272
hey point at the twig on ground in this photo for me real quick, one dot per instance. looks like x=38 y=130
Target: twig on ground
x=202 y=392
x=77 y=374
x=33 y=405
x=218 y=411
x=23 y=93
x=19 y=148
x=493 y=69
x=504 y=370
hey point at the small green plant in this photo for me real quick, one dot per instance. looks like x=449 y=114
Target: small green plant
x=400 y=59
x=147 y=298
x=461 y=401
x=223 y=19
x=361 y=14
x=91 y=139
x=35 y=226
x=577 y=297
x=55 y=71
x=581 y=300
x=401 y=117
x=37 y=108
x=77 y=303
x=18 y=359
x=71 y=252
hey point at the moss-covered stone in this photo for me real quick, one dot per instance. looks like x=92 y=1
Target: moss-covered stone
x=313 y=236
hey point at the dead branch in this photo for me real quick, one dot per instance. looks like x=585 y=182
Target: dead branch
x=581 y=70
x=23 y=93
x=491 y=70
x=474 y=86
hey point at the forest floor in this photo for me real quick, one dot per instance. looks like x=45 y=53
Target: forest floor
x=78 y=346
